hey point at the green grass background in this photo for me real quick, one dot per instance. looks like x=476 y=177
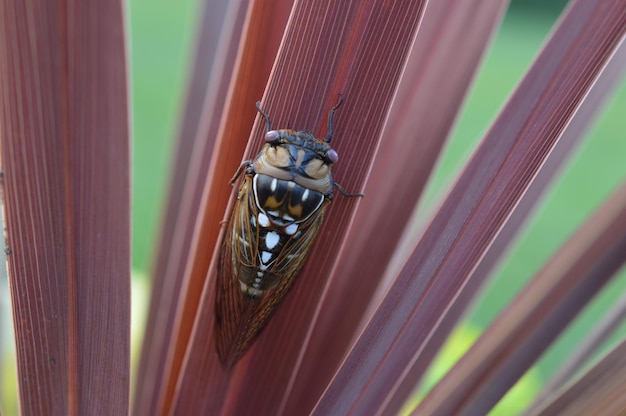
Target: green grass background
x=161 y=46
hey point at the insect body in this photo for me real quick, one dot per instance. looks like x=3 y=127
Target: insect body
x=277 y=215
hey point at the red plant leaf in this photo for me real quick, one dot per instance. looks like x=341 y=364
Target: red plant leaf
x=477 y=206
x=195 y=148
x=66 y=185
x=426 y=103
x=601 y=390
x=343 y=52
x=207 y=47
x=584 y=352
x=538 y=314
x=203 y=189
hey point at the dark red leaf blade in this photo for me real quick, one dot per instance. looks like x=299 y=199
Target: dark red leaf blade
x=572 y=135
x=206 y=50
x=263 y=30
x=342 y=55
x=66 y=185
x=218 y=147
x=535 y=318
x=479 y=203
x=370 y=64
x=195 y=148
x=443 y=60
x=583 y=353
x=601 y=390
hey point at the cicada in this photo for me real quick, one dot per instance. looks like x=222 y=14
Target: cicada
x=279 y=209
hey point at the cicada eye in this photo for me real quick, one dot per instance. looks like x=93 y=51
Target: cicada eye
x=271 y=136
x=332 y=156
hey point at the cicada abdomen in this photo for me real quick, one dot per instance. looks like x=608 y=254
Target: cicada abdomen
x=276 y=217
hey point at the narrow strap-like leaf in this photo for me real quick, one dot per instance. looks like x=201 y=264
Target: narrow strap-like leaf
x=328 y=49
x=535 y=318
x=477 y=206
x=452 y=35
x=601 y=390
x=66 y=184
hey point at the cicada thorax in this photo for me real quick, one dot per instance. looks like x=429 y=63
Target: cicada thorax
x=299 y=157
x=276 y=217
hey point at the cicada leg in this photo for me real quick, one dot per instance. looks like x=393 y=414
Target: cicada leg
x=346 y=193
x=245 y=164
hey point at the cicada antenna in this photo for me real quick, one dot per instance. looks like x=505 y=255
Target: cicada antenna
x=330 y=118
x=265 y=116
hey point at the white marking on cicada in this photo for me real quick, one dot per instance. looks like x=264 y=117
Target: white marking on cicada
x=260 y=275
x=273 y=185
x=273 y=213
x=265 y=257
x=291 y=229
x=291 y=185
x=250 y=290
x=305 y=195
x=263 y=220
x=263 y=266
x=271 y=239
x=253 y=220
x=287 y=217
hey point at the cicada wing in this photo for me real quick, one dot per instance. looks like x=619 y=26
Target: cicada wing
x=230 y=305
x=239 y=319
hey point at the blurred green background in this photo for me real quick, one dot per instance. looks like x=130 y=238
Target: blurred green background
x=161 y=47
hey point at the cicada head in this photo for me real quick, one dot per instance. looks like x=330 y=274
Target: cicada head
x=299 y=157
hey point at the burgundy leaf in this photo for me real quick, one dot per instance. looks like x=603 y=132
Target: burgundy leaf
x=600 y=391
x=344 y=53
x=534 y=319
x=196 y=147
x=477 y=206
x=446 y=52
x=66 y=186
